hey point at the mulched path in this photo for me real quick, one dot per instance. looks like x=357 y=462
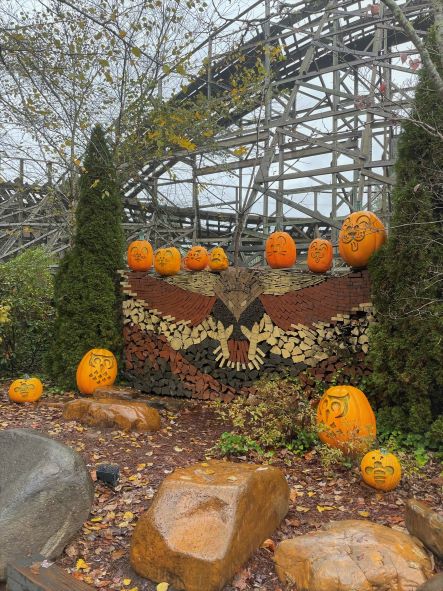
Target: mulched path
x=187 y=436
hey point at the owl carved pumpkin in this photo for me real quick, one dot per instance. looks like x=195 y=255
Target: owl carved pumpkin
x=167 y=261
x=281 y=251
x=345 y=419
x=197 y=258
x=381 y=470
x=218 y=261
x=140 y=255
x=320 y=256
x=361 y=234
x=98 y=367
x=25 y=390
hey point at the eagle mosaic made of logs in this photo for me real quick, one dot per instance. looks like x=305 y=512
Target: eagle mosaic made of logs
x=212 y=334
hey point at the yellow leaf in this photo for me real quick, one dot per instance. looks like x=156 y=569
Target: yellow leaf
x=122 y=34
x=363 y=513
x=126 y=582
x=141 y=466
x=232 y=478
x=128 y=515
x=123 y=524
x=178 y=449
x=96 y=519
x=163 y=587
x=133 y=589
x=311 y=493
x=82 y=565
x=301 y=509
x=321 y=508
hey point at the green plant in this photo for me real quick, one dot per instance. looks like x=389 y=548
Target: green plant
x=234 y=444
x=26 y=296
x=86 y=286
x=332 y=457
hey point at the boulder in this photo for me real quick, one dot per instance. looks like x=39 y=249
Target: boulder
x=111 y=412
x=353 y=555
x=46 y=494
x=434 y=584
x=426 y=525
x=205 y=521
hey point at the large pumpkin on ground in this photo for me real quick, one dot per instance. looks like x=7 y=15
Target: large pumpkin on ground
x=381 y=470
x=97 y=368
x=25 y=390
x=361 y=234
x=140 y=255
x=320 y=256
x=197 y=258
x=167 y=261
x=280 y=250
x=345 y=419
x=218 y=261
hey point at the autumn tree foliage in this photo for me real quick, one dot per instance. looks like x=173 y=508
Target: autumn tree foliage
x=86 y=286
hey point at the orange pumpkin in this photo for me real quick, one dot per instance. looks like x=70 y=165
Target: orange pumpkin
x=140 y=255
x=98 y=367
x=345 y=419
x=381 y=470
x=167 y=261
x=218 y=261
x=280 y=249
x=320 y=256
x=25 y=390
x=361 y=234
x=197 y=258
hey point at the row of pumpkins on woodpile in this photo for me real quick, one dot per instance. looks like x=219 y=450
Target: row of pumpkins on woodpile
x=345 y=418
x=361 y=235
x=346 y=421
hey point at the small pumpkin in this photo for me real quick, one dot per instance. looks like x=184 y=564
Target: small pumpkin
x=381 y=470
x=98 y=367
x=345 y=419
x=26 y=390
x=197 y=258
x=320 y=256
x=140 y=255
x=280 y=250
x=361 y=234
x=167 y=261
x=218 y=261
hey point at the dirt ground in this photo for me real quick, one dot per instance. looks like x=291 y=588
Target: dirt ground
x=99 y=553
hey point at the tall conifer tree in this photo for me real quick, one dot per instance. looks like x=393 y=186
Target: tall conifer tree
x=86 y=284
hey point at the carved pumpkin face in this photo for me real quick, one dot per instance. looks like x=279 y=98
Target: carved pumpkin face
x=167 y=261
x=361 y=234
x=380 y=470
x=26 y=390
x=218 y=261
x=320 y=256
x=281 y=252
x=140 y=255
x=197 y=258
x=345 y=419
x=98 y=367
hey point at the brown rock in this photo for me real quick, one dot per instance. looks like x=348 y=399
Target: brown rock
x=110 y=412
x=205 y=522
x=353 y=555
x=426 y=525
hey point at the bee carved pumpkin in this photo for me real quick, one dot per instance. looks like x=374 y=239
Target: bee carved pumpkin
x=320 y=256
x=345 y=419
x=361 y=234
x=140 y=255
x=167 y=261
x=218 y=261
x=25 y=390
x=98 y=367
x=381 y=470
x=281 y=251
x=197 y=258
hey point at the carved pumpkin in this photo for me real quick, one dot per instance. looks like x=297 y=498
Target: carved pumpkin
x=26 y=390
x=345 y=419
x=197 y=258
x=218 y=261
x=97 y=368
x=280 y=249
x=167 y=261
x=140 y=255
x=381 y=470
x=361 y=234
x=320 y=256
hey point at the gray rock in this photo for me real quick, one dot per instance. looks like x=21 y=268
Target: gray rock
x=434 y=584
x=426 y=525
x=46 y=494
